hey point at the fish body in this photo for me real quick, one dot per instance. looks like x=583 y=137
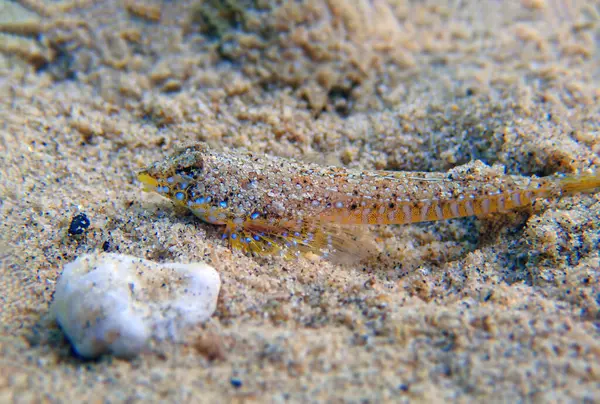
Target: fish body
x=270 y=205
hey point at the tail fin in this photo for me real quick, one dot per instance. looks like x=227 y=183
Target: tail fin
x=575 y=184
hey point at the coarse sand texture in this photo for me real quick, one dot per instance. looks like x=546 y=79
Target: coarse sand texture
x=110 y=293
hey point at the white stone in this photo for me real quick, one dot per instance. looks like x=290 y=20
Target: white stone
x=112 y=303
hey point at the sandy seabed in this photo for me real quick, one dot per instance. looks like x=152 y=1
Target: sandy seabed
x=500 y=309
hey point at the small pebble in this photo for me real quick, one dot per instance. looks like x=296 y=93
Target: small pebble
x=79 y=224
x=113 y=303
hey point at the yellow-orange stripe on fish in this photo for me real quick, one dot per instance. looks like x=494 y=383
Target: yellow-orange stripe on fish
x=274 y=206
x=405 y=211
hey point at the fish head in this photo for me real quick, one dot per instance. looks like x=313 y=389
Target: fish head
x=173 y=176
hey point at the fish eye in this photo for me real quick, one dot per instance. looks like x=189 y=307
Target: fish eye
x=190 y=172
x=190 y=164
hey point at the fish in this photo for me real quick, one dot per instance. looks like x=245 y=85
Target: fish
x=269 y=205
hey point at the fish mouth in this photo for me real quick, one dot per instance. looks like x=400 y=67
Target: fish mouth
x=150 y=183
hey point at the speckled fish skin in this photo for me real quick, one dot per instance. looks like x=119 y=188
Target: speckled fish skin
x=276 y=205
